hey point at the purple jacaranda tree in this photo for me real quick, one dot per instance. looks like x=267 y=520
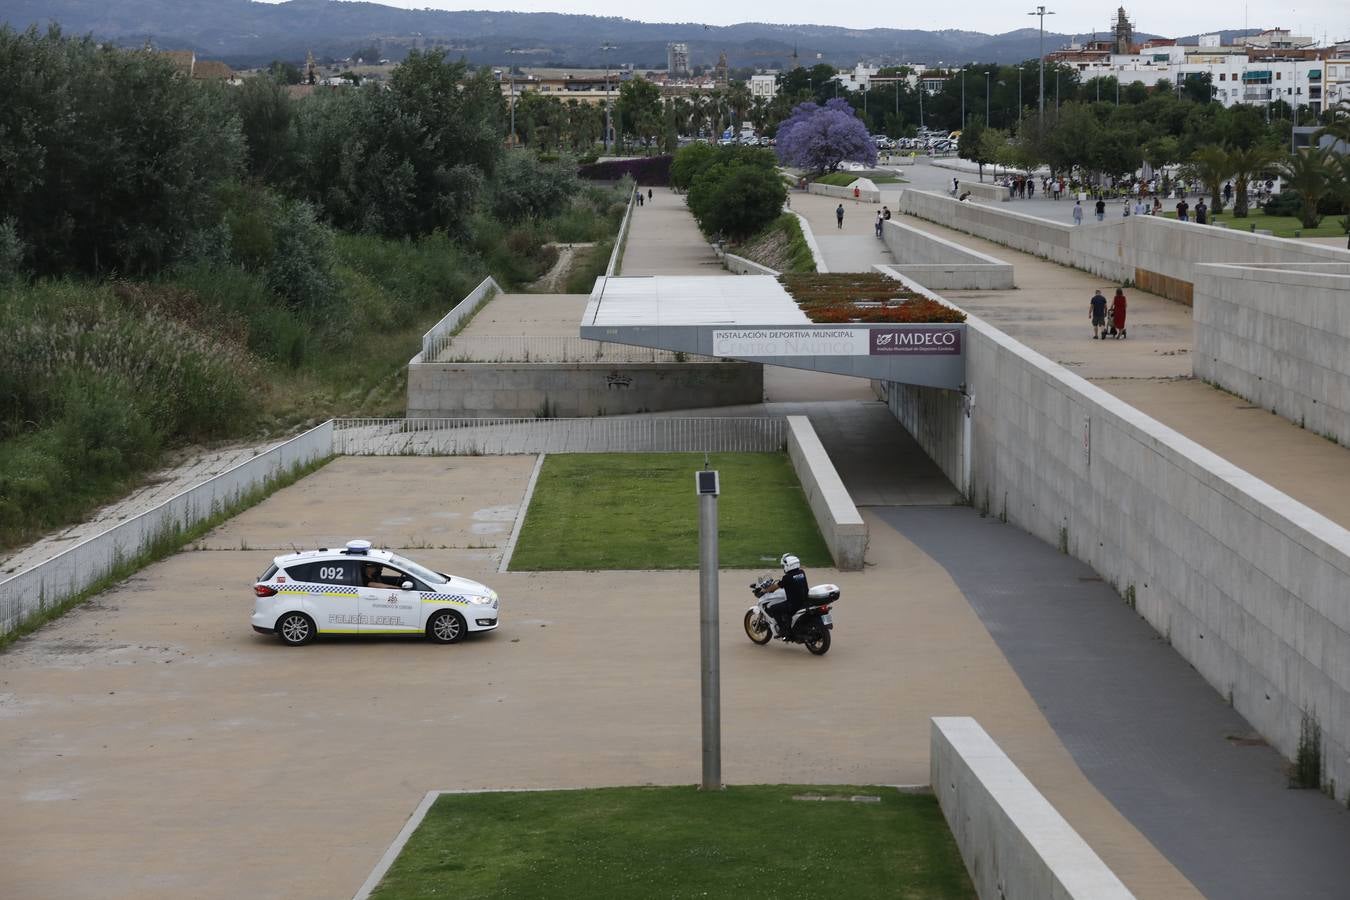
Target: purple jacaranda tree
x=819 y=138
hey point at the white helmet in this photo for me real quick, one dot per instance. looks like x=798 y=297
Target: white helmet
x=790 y=562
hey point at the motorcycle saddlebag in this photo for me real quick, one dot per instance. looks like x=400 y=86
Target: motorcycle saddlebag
x=824 y=593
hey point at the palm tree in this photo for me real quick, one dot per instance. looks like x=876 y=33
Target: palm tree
x=1310 y=174
x=1339 y=127
x=1211 y=166
x=739 y=100
x=1246 y=165
x=1341 y=187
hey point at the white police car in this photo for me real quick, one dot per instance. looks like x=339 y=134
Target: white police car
x=359 y=590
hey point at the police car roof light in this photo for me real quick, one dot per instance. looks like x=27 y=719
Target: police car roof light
x=357 y=548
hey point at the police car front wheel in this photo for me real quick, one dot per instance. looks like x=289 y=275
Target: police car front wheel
x=446 y=627
x=296 y=628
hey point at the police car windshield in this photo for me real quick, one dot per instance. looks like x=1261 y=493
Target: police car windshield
x=420 y=572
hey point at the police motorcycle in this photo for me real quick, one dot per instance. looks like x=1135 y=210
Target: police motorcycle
x=810 y=625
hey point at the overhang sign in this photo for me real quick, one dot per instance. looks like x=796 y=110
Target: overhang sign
x=924 y=340
x=790 y=342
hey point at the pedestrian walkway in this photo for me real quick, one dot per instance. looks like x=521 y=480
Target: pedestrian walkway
x=1143 y=726
x=853 y=248
x=663 y=239
x=1152 y=372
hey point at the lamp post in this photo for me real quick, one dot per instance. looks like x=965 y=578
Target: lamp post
x=987 y=76
x=1019 y=94
x=605 y=48
x=1042 y=12
x=1293 y=128
x=963 y=98
x=511 y=78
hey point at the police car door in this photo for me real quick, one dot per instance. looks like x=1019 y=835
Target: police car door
x=390 y=610
x=330 y=593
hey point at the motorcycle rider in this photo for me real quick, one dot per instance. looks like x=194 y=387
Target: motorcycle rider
x=794 y=586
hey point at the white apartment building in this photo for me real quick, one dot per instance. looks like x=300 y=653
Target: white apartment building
x=1234 y=76
x=763 y=86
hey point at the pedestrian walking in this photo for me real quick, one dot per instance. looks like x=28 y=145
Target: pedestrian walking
x=1077 y=213
x=886 y=213
x=1201 y=212
x=649 y=193
x=877 y=226
x=1100 y=209
x=1054 y=189
x=1031 y=188
x=1118 y=314
x=839 y=216
x=956 y=186
x=1183 y=211
x=1097 y=313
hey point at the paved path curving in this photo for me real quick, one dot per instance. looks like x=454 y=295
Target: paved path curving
x=663 y=239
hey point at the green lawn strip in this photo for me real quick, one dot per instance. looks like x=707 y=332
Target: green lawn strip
x=744 y=842
x=639 y=511
x=1279 y=226
x=168 y=541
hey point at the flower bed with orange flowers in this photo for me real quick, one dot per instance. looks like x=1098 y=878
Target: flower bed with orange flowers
x=863 y=297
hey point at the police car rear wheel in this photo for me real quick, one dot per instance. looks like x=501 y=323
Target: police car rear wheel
x=295 y=629
x=446 y=627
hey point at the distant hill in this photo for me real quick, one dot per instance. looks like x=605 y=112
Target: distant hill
x=244 y=33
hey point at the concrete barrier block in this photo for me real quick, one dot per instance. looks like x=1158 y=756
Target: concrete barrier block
x=1014 y=843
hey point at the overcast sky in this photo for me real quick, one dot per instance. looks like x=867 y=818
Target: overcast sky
x=1164 y=17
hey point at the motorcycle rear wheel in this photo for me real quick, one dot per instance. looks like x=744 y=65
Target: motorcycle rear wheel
x=817 y=639
x=756 y=629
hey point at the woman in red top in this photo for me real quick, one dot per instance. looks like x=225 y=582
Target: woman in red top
x=1118 y=313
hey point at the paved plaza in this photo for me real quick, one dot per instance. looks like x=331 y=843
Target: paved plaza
x=153 y=746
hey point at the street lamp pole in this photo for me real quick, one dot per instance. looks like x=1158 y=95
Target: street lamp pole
x=963 y=98
x=605 y=48
x=1042 y=12
x=987 y=76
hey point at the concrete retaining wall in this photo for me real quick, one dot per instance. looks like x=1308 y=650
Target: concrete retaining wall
x=990 y=193
x=1280 y=338
x=739 y=265
x=940 y=264
x=937 y=420
x=1158 y=255
x=1014 y=843
x=844 y=193
x=70 y=572
x=577 y=389
x=841 y=525
x=1247 y=584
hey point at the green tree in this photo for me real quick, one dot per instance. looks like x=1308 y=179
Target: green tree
x=736 y=199
x=1211 y=167
x=1245 y=165
x=970 y=145
x=526 y=188
x=284 y=72
x=689 y=163
x=1310 y=175
x=638 y=111
x=108 y=158
x=265 y=111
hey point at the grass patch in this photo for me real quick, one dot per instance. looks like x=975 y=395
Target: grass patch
x=781 y=246
x=168 y=541
x=744 y=842
x=588 y=264
x=1279 y=226
x=639 y=511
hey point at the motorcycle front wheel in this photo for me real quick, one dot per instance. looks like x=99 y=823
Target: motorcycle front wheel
x=756 y=629
x=817 y=639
